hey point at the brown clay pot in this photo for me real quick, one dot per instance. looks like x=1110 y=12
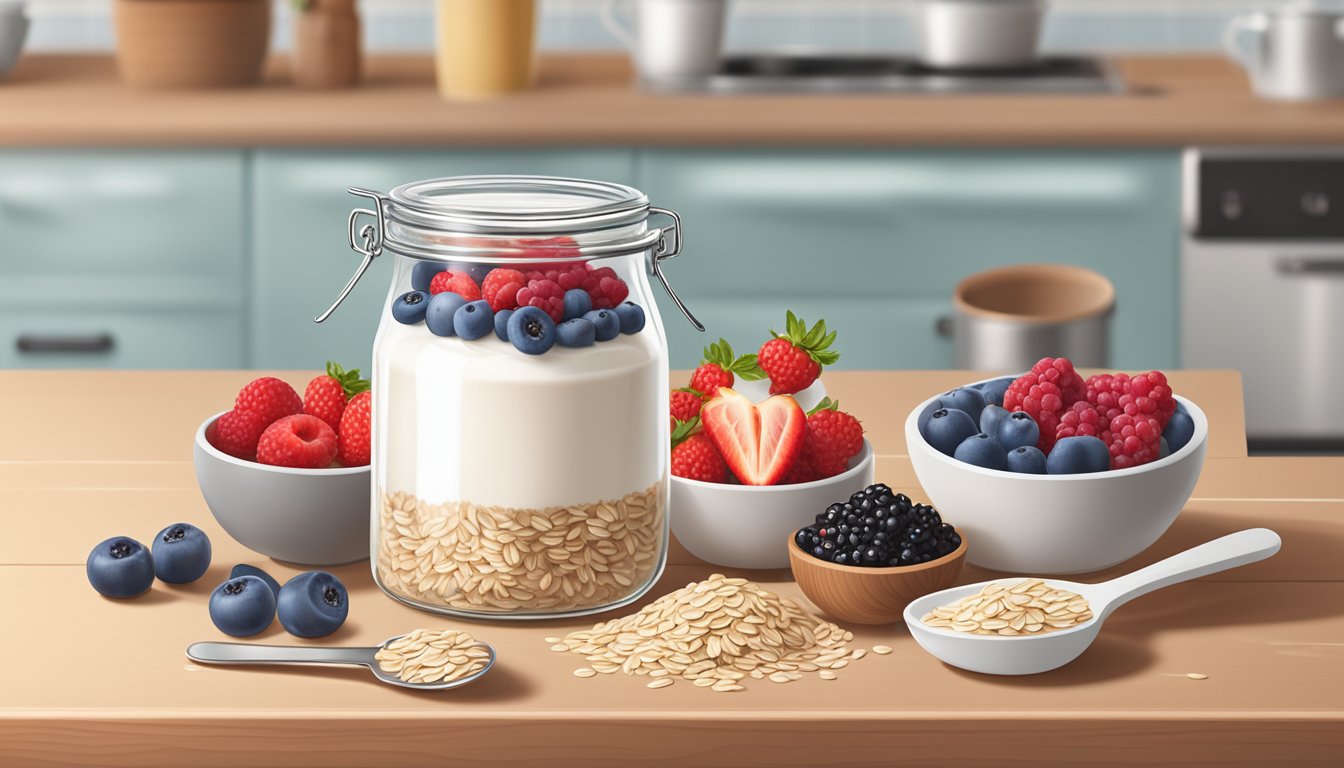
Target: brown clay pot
x=326 y=45
x=192 y=43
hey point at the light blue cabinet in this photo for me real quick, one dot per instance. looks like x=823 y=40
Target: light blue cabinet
x=301 y=251
x=876 y=240
x=122 y=259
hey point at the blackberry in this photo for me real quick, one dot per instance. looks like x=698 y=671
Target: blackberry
x=877 y=527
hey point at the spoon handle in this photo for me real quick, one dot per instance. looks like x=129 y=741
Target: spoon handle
x=246 y=653
x=1231 y=551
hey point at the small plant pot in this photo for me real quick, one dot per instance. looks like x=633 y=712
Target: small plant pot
x=192 y=43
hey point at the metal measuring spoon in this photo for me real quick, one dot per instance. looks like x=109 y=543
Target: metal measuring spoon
x=247 y=653
x=1029 y=654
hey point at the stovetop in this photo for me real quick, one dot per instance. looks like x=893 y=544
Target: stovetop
x=823 y=73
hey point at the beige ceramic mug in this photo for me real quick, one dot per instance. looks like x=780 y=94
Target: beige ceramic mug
x=485 y=48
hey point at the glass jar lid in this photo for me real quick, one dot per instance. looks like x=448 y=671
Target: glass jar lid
x=515 y=205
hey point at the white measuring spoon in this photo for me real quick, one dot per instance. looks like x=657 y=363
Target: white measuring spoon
x=1029 y=654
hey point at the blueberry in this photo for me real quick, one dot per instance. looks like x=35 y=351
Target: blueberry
x=947 y=427
x=605 y=323
x=982 y=451
x=1078 y=455
x=1164 y=448
x=439 y=316
x=993 y=390
x=473 y=320
x=422 y=274
x=502 y=323
x=631 y=316
x=313 y=604
x=243 y=569
x=579 y=332
x=577 y=303
x=242 y=607
x=181 y=553
x=990 y=418
x=924 y=415
x=1018 y=429
x=120 y=567
x=1028 y=460
x=963 y=399
x=1180 y=429
x=409 y=308
x=531 y=331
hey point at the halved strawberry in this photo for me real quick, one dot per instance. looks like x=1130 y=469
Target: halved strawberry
x=759 y=442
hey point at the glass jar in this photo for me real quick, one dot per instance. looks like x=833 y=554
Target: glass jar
x=512 y=477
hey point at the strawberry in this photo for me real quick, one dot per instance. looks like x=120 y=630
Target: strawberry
x=325 y=396
x=802 y=470
x=694 y=455
x=300 y=441
x=758 y=442
x=237 y=432
x=355 y=446
x=718 y=365
x=500 y=288
x=793 y=359
x=270 y=397
x=833 y=438
x=457 y=282
x=686 y=404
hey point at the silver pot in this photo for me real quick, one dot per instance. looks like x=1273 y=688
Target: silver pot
x=978 y=34
x=1007 y=319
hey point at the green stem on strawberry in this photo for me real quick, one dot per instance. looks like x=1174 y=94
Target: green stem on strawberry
x=684 y=429
x=350 y=381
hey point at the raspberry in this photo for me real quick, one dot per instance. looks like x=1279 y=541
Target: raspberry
x=457 y=282
x=802 y=470
x=694 y=455
x=709 y=377
x=833 y=438
x=551 y=248
x=546 y=295
x=325 y=396
x=686 y=404
x=1045 y=393
x=354 y=439
x=237 y=432
x=1135 y=440
x=605 y=288
x=270 y=397
x=301 y=441
x=500 y=288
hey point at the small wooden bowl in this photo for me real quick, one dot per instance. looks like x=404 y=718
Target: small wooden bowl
x=861 y=595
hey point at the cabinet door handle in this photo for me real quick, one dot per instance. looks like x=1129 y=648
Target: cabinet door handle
x=1311 y=265
x=31 y=343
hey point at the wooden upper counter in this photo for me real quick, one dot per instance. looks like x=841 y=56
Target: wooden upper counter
x=589 y=99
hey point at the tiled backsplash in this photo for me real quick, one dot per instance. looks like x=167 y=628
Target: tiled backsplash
x=390 y=25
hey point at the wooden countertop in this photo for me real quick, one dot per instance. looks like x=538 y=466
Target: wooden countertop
x=589 y=99
x=89 y=455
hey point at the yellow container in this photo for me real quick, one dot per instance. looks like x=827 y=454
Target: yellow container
x=485 y=48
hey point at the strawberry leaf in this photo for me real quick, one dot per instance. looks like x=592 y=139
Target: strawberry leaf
x=350 y=381
x=749 y=370
x=826 y=404
x=684 y=429
x=693 y=391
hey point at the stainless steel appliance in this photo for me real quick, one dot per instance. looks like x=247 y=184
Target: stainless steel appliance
x=1296 y=51
x=978 y=34
x=825 y=72
x=1262 y=287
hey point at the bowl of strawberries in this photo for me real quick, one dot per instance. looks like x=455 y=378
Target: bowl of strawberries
x=1056 y=472
x=758 y=449
x=288 y=476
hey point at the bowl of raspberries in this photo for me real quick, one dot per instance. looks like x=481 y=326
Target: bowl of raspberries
x=758 y=448
x=1056 y=472
x=288 y=475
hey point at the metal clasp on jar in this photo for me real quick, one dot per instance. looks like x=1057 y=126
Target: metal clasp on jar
x=368 y=242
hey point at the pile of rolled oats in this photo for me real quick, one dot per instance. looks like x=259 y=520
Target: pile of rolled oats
x=500 y=560
x=715 y=633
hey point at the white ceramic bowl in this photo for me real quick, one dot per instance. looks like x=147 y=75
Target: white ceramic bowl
x=746 y=526
x=1044 y=524
x=303 y=516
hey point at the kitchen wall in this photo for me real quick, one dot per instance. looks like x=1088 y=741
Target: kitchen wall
x=392 y=25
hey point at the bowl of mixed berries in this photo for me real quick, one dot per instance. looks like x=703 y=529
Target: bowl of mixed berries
x=288 y=476
x=747 y=471
x=1056 y=472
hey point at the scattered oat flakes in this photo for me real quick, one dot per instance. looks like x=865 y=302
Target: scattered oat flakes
x=881 y=650
x=1197 y=676
x=585 y=672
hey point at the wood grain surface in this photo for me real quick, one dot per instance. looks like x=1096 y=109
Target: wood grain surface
x=97 y=681
x=589 y=99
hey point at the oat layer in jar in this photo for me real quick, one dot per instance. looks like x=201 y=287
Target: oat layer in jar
x=520 y=383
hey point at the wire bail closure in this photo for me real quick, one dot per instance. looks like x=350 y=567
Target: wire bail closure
x=369 y=239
